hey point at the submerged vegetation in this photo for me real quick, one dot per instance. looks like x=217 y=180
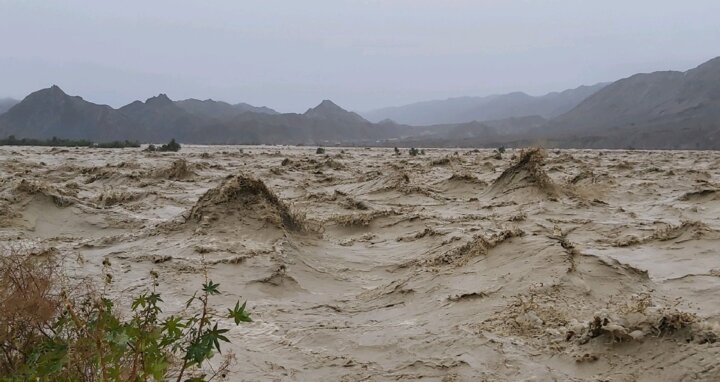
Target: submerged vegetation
x=52 y=332
x=60 y=142
x=171 y=146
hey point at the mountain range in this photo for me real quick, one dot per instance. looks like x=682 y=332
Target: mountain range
x=219 y=109
x=662 y=110
x=53 y=113
x=494 y=107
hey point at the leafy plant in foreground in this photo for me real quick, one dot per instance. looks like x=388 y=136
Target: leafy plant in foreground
x=82 y=337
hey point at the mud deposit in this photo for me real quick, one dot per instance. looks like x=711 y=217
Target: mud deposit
x=361 y=265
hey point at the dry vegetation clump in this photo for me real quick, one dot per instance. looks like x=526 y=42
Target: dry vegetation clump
x=29 y=300
x=526 y=172
x=248 y=195
x=478 y=246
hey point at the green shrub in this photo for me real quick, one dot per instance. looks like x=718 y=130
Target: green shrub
x=320 y=150
x=50 y=333
x=59 y=142
x=118 y=144
x=170 y=146
x=413 y=152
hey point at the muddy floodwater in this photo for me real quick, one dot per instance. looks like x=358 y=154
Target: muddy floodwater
x=363 y=265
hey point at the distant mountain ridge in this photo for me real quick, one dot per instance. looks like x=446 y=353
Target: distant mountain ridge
x=661 y=110
x=219 y=109
x=494 y=107
x=52 y=113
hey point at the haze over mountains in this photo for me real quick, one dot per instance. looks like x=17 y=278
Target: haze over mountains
x=654 y=110
x=6 y=104
x=494 y=107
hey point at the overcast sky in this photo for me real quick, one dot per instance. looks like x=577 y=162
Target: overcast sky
x=362 y=54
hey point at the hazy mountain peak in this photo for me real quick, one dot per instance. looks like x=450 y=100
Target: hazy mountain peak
x=326 y=106
x=52 y=91
x=329 y=110
x=160 y=99
x=51 y=112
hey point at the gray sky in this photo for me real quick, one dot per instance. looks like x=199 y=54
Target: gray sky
x=362 y=54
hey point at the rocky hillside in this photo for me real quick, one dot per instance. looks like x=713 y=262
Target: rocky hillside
x=654 y=110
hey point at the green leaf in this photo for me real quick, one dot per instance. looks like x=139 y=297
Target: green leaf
x=238 y=313
x=173 y=326
x=214 y=335
x=157 y=369
x=211 y=288
x=197 y=352
x=190 y=300
x=154 y=298
x=140 y=300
